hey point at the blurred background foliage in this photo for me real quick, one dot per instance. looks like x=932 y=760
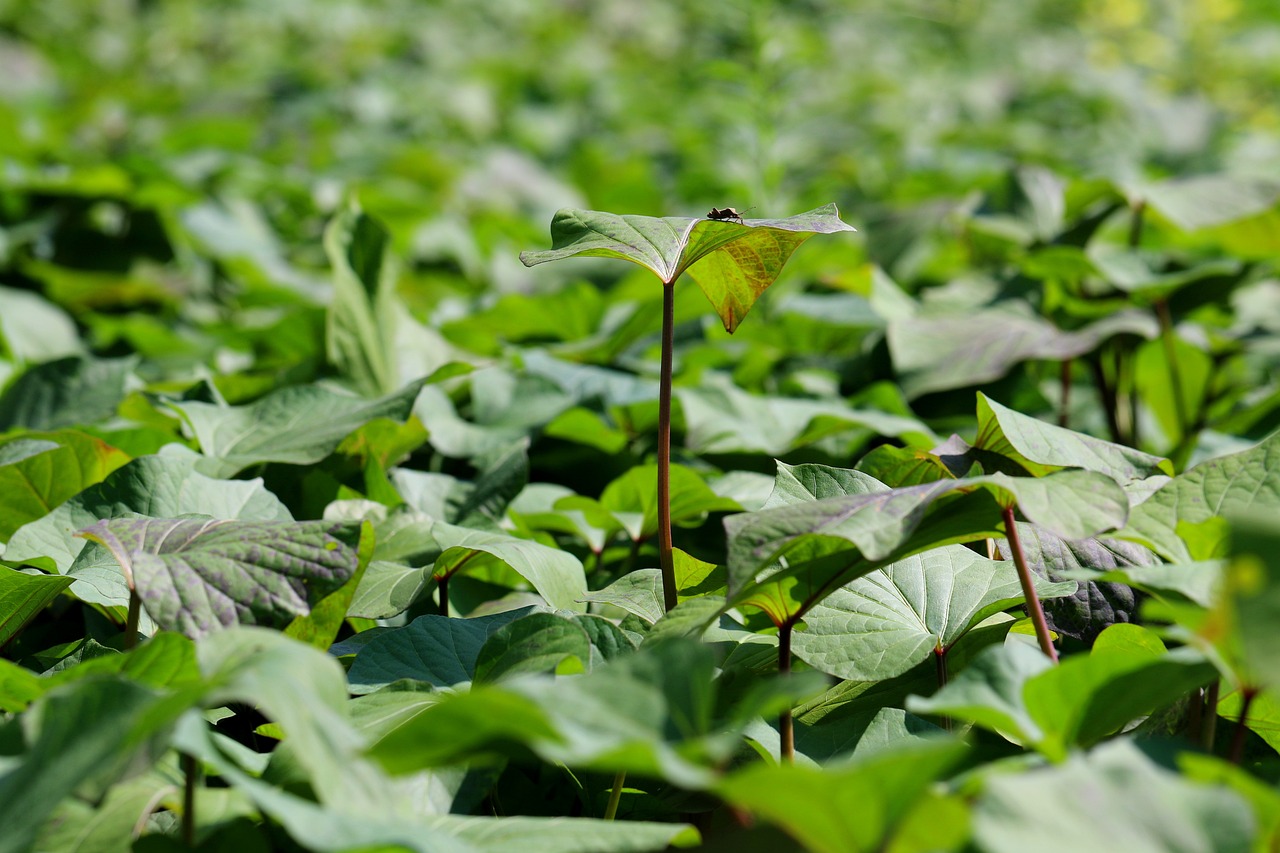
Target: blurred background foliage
x=167 y=168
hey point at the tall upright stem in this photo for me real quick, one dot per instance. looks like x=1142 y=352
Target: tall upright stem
x=1236 y=753
x=131 y=620
x=786 y=725
x=665 y=560
x=1028 y=587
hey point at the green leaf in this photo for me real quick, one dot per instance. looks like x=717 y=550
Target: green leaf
x=733 y=262
x=722 y=418
x=33 y=329
x=297 y=425
x=517 y=834
x=1114 y=798
x=1249 y=480
x=320 y=626
x=633 y=499
x=159 y=486
x=884 y=623
x=1127 y=675
x=38 y=471
x=557 y=575
x=852 y=807
x=65 y=393
x=937 y=353
x=882 y=525
x=22 y=596
x=197 y=575
x=1040 y=447
x=83 y=736
x=435 y=649
x=1205 y=201
x=538 y=642
x=360 y=322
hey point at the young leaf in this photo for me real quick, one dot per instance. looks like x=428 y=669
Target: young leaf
x=732 y=261
x=198 y=575
x=360 y=322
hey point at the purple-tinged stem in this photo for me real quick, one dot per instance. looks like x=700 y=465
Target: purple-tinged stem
x=665 y=559
x=1028 y=587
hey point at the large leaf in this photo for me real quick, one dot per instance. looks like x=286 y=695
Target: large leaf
x=1114 y=798
x=298 y=425
x=198 y=575
x=41 y=470
x=884 y=623
x=83 y=736
x=165 y=486
x=851 y=808
x=1249 y=480
x=1041 y=447
x=936 y=353
x=732 y=261
x=633 y=499
x=435 y=649
x=882 y=525
x=361 y=320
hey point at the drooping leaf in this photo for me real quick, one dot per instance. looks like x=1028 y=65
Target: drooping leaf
x=298 y=425
x=41 y=470
x=937 y=353
x=1114 y=798
x=197 y=575
x=884 y=623
x=732 y=261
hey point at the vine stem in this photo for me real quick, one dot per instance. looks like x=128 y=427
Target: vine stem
x=615 y=796
x=665 y=559
x=1028 y=587
x=786 y=725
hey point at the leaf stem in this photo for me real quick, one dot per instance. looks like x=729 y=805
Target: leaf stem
x=940 y=665
x=1236 y=754
x=1064 y=405
x=131 y=620
x=786 y=725
x=1034 y=608
x=665 y=558
x=615 y=796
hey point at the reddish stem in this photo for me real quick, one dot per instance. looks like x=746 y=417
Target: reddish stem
x=1034 y=607
x=665 y=560
x=786 y=725
x=1236 y=753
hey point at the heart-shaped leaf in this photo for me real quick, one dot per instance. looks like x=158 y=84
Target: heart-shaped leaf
x=733 y=261
x=41 y=470
x=198 y=575
x=884 y=623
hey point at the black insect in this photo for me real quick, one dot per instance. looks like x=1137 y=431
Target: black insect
x=727 y=214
